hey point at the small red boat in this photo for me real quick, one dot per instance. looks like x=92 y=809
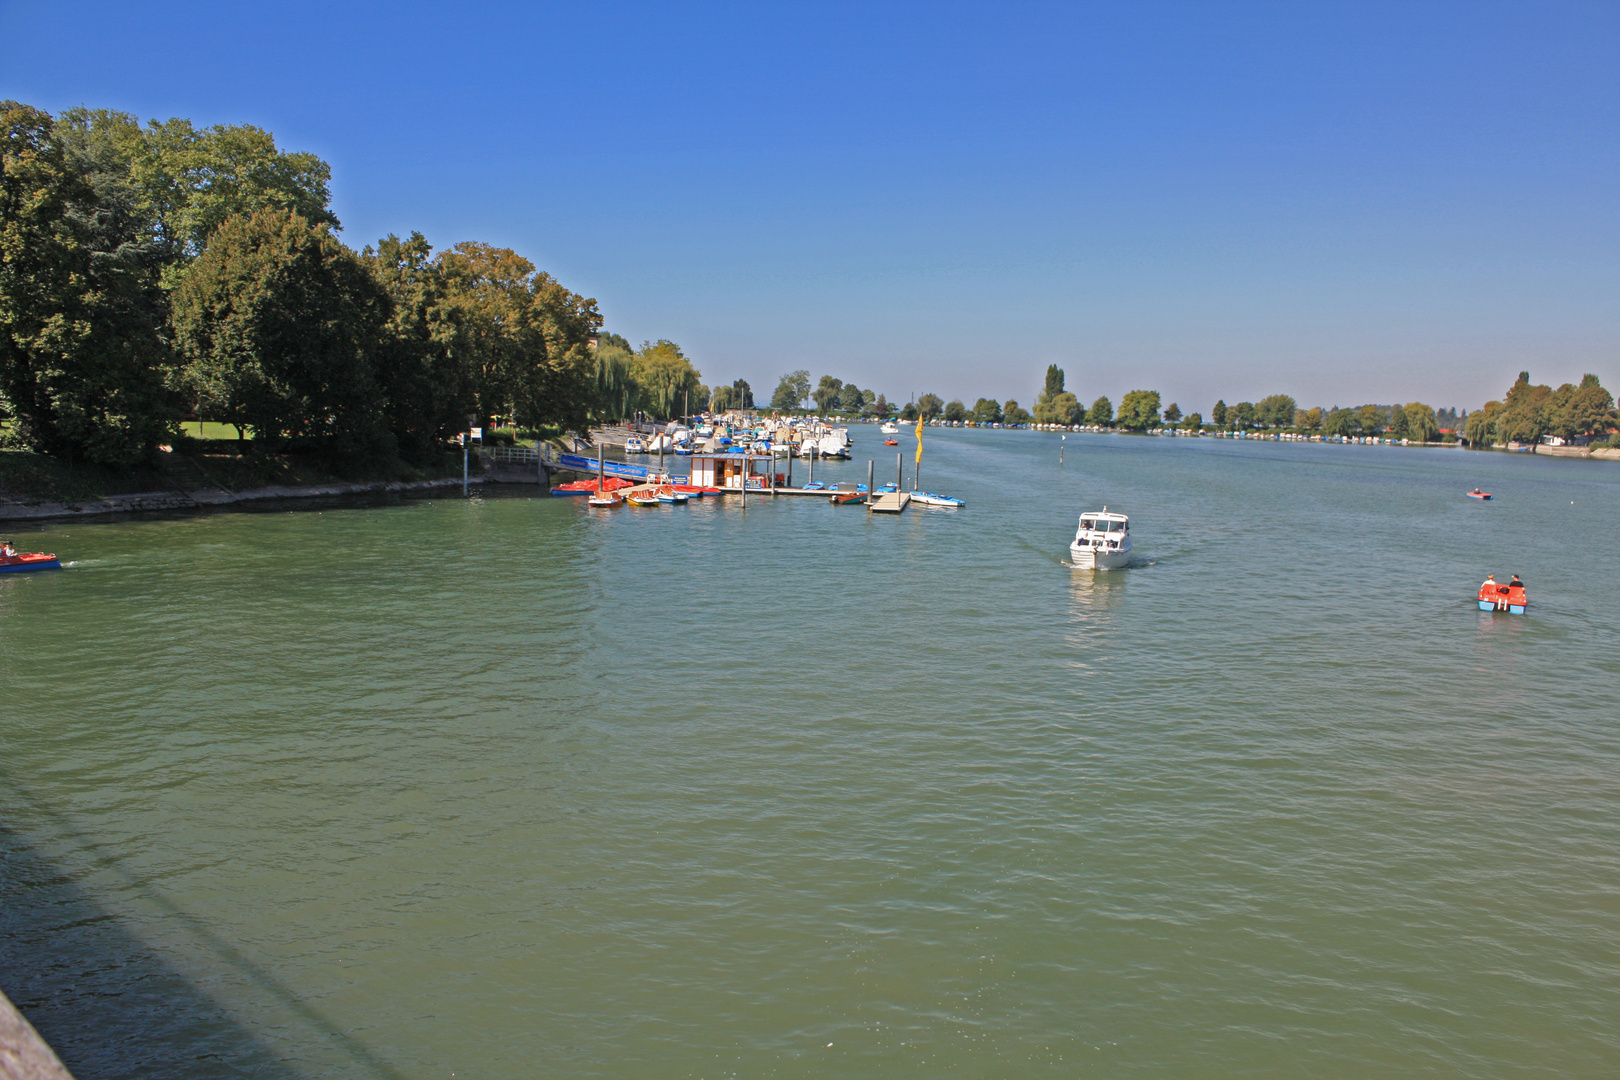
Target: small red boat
x=1478 y=494
x=588 y=487
x=1510 y=597
x=891 y=442
x=22 y=562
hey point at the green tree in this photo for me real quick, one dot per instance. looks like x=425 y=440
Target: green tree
x=1054 y=382
x=1311 y=420
x=987 y=411
x=1340 y=422
x=1242 y=415
x=1218 y=416
x=613 y=380
x=826 y=394
x=1397 y=424
x=1587 y=409
x=1370 y=419
x=930 y=406
x=744 y=394
x=1172 y=414
x=526 y=339
x=428 y=391
x=1064 y=408
x=666 y=378
x=881 y=408
x=1194 y=422
x=83 y=361
x=1014 y=413
x=280 y=325
x=955 y=411
x=852 y=399
x=1275 y=410
x=1480 y=426
x=791 y=391
x=1421 y=425
x=1139 y=410
x=186 y=182
x=1101 y=413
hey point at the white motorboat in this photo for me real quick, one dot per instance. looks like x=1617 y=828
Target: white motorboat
x=889 y=428
x=1103 y=541
x=928 y=498
x=635 y=444
x=834 y=444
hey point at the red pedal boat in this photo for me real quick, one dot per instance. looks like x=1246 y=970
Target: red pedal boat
x=1496 y=597
x=12 y=562
x=1478 y=494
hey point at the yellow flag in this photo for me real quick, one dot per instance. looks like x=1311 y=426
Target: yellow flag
x=919 y=439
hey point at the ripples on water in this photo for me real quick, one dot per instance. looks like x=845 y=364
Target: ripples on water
x=508 y=788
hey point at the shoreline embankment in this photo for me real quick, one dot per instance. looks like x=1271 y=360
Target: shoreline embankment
x=149 y=501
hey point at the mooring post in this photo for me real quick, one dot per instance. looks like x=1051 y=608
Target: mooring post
x=899 y=470
x=464 y=466
x=870 y=465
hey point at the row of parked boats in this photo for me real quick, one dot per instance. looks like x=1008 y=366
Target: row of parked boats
x=777 y=436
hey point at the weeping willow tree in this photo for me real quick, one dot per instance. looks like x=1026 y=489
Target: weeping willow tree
x=614 y=379
x=665 y=378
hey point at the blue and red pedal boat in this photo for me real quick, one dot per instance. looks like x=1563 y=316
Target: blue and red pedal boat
x=22 y=562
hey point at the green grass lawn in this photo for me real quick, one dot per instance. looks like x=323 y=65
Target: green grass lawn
x=208 y=429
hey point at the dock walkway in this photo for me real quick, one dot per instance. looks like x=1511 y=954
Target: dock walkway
x=891 y=502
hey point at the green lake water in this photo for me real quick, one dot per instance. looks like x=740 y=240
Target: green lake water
x=505 y=787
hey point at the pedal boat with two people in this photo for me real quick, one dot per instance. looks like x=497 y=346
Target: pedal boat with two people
x=1494 y=596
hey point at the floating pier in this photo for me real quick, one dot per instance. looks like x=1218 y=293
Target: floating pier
x=890 y=502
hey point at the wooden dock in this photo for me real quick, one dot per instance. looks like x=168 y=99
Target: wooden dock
x=891 y=502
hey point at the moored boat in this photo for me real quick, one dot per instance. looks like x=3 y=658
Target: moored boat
x=928 y=498
x=1103 y=541
x=606 y=499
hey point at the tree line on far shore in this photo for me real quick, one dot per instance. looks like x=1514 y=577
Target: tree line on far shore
x=150 y=274
x=1526 y=414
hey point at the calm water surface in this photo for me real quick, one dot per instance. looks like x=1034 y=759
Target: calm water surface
x=508 y=788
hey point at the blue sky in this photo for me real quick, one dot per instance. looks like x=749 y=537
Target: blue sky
x=1345 y=202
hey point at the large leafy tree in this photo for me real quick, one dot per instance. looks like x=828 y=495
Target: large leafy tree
x=1419 y=422
x=1139 y=410
x=185 y=181
x=428 y=391
x=826 y=394
x=1101 y=412
x=1587 y=409
x=791 y=391
x=955 y=411
x=1014 y=413
x=82 y=357
x=1275 y=410
x=281 y=327
x=666 y=378
x=929 y=406
x=526 y=338
x=987 y=411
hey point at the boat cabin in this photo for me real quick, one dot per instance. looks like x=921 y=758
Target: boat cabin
x=1104 y=522
x=726 y=471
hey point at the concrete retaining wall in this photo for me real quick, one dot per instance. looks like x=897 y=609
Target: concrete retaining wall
x=197 y=500
x=23 y=1054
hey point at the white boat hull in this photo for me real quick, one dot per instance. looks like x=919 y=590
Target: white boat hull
x=1087 y=557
